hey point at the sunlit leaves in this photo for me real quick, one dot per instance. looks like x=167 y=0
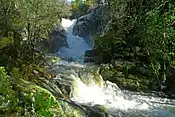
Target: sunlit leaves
x=4 y=42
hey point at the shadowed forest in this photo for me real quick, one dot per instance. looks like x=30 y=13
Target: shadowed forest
x=136 y=51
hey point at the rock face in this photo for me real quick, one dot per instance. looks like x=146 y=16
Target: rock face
x=119 y=72
x=170 y=81
x=92 y=56
x=58 y=40
x=91 y=24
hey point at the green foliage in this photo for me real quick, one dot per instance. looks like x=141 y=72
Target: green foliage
x=79 y=7
x=22 y=24
x=35 y=99
x=5 y=42
x=8 y=97
x=89 y=3
x=46 y=105
x=160 y=33
x=147 y=25
x=43 y=104
x=37 y=17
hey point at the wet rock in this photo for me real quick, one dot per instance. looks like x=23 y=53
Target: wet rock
x=92 y=56
x=88 y=56
x=170 y=82
x=96 y=111
x=122 y=64
x=73 y=109
x=93 y=23
x=116 y=73
x=58 y=40
x=69 y=75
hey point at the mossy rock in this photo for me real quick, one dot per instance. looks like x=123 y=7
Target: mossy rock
x=132 y=82
x=91 y=75
x=119 y=73
x=107 y=74
x=136 y=83
x=120 y=65
x=96 y=111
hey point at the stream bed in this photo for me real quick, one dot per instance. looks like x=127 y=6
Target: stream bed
x=87 y=88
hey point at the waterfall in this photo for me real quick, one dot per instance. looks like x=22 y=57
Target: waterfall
x=77 y=45
x=88 y=88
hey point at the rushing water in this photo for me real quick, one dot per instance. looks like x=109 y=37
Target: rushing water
x=77 y=45
x=117 y=102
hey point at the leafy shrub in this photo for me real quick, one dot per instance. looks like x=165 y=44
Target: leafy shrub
x=147 y=25
x=8 y=97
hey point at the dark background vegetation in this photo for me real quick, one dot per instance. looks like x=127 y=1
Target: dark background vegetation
x=140 y=32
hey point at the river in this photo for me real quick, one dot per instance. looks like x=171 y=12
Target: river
x=118 y=103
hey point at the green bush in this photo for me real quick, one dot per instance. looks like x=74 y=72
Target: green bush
x=147 y=25
x=8 y=97
x=24 y=23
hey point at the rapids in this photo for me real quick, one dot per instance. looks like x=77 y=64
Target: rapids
x=117 y=103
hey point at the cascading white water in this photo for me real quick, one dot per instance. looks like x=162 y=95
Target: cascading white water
x=119 y=103
x=77 y=45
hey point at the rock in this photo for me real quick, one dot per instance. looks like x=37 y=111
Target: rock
x=88 y=56
x=58 y=40
x=170 y=80
x=96 y=111
x=91 y=24
x=116 y=74
x=43 y=45
x=97 y=57
x=92 y=56
x=120 y=64
x=71 y=110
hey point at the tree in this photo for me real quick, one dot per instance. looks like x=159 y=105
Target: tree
x=24 y=22
x=147 y=25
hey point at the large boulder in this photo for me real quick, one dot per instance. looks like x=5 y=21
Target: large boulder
x=58 y=40
x=69 y=75
x=93 y=23
x=92 y=56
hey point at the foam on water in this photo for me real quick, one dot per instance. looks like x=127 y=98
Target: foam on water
x=110 y=95
x=115 y=100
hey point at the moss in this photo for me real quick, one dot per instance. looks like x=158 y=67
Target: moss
x=90 y=76
x=47 y=106
x=98 y=80
x=135 y=82
x=33 y=99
